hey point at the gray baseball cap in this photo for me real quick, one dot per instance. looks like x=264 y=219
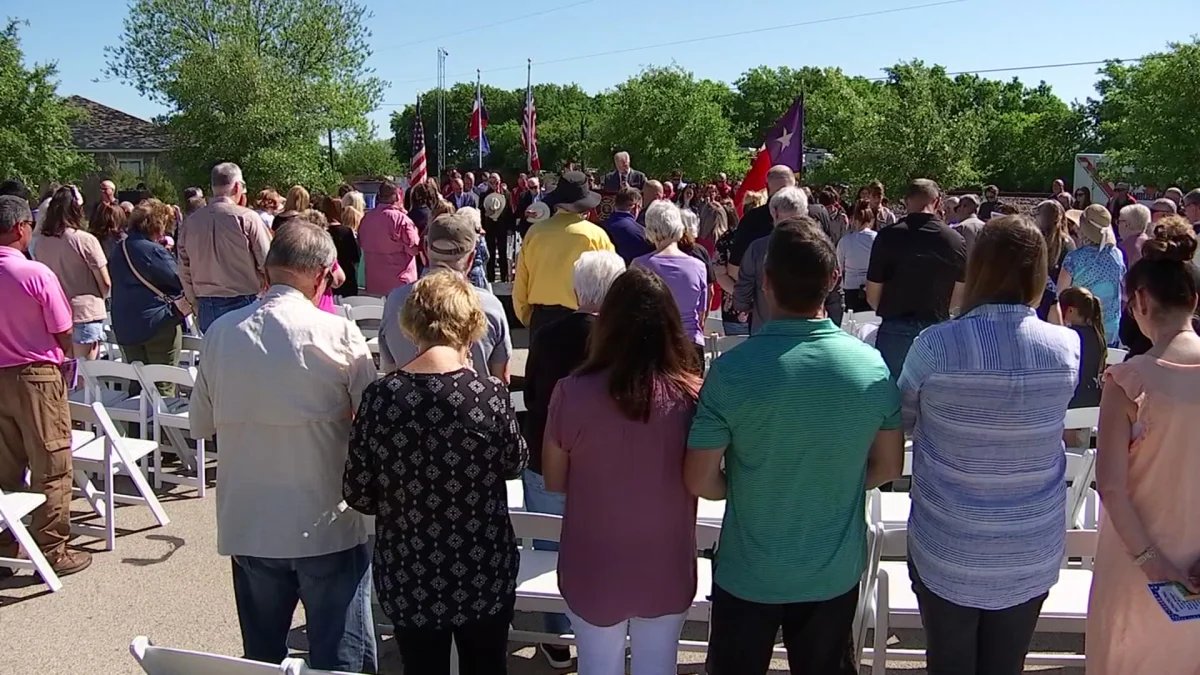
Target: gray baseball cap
x=451 y=236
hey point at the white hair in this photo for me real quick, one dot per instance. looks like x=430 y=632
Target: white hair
x=1138 y=216
x=621 y=156
x=473 y=215
x=664 y=223
x=224 y=177
x=691 y=222
x=595 y=272
x=788 y=202
x=301 y=246
x=355 y=199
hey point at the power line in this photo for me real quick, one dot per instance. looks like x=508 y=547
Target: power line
x=492 y=24
x=1043 y=66
x=705 y=38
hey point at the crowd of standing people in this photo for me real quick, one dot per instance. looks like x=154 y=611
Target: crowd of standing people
x=992 y=325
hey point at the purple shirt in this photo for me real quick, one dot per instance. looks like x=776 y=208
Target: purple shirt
x=35 y=309
x=628 y=545
x=688 y=280
x=389 y=242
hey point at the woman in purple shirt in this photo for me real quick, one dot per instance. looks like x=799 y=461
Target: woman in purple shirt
x=684 y=275
x=615 y=441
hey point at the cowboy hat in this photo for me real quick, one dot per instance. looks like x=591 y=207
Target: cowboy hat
x=493 y=205
x=572 y=193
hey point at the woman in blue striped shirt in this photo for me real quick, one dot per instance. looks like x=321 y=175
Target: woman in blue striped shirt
x=986 y=395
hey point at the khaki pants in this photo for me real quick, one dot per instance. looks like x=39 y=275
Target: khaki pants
x=35 y=434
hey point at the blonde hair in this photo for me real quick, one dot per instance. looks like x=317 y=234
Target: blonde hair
x=753 y=200
x=442 y=208
x=351 y=217
x=355 y=199
x=443 y=310
x=297 y=199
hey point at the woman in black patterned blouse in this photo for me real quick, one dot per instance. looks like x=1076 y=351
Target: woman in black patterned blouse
x=431 y=448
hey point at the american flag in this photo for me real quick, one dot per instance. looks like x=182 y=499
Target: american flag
x=417 y=169
x=529 y=131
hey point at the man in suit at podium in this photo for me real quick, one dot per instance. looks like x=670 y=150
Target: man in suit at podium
x=623 y=176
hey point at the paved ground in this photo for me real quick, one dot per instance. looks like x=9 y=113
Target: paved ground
x=169 y=584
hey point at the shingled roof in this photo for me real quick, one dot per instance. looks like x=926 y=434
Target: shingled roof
x=106 y=128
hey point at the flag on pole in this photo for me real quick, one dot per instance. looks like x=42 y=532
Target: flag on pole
x=479 y=123
x=784 y=145
x=529 y=131
x=418 y=170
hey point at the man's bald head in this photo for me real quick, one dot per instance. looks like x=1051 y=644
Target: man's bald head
x=651 y=191
x=779 y=177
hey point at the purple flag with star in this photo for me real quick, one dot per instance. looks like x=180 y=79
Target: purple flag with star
x=784 y=145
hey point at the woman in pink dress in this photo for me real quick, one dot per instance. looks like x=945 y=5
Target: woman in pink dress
x=1148 y=473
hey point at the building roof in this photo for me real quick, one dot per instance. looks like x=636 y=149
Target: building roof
x=106 y=128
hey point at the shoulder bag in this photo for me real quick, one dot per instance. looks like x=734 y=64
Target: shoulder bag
x=180 y=303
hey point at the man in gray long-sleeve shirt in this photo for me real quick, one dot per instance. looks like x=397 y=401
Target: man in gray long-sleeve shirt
x=222 y=249
x=789 y=203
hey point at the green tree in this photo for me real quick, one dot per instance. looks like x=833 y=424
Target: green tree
x=1148 y=121
x=258 y=82
x=35 y=123
x=666 y=120
x=363 y=156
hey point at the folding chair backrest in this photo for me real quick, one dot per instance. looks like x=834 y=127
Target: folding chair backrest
x=1116 y=356
x=84 y=414
x=168 y=661
x=191 y=348
x=1082 y=543
x=365 y=312
x=1081 y=471
x=155 y=373
x=1082 y=418
x=708 y=535
x=536 y=525
x=362 y=301
x=101 y=374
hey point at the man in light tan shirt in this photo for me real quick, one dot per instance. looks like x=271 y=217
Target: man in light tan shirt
x=222 y=248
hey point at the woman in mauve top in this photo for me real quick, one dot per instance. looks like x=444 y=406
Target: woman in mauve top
x=615 y=442
x=685 y=276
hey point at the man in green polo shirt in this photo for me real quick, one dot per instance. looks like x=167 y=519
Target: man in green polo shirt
x=806 y=419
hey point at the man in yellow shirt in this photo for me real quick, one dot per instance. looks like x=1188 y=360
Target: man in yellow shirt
x=544 y=288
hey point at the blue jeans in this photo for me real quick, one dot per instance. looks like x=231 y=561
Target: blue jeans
x=539 y=500
x=894 y=338
x=209 y=310
x=335 y=589
x=735 y=328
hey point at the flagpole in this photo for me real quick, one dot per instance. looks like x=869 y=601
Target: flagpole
x=479 y=102
x=528 y=89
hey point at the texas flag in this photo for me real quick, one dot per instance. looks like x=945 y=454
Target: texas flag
x=479 y=122
x=784 y=145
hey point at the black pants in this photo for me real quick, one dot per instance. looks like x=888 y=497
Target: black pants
x=497 y=244
x=699 y=369
x=856 y=301
x=835 y=307
x=968 y=641
x=817 y=635
x=544 y=315
x=482 y=647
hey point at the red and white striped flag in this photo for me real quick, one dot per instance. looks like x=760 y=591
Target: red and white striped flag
x=529 y=131
x=418 y=171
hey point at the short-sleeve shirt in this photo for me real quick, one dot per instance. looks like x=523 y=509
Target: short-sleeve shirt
x=35 y=310
x=796 y=407
x=918 y=260
x=74 y=256
x=1100 y=270
x=628 y=546
x=687 y=278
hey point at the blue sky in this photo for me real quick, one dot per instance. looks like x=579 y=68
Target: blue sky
x=963 y=36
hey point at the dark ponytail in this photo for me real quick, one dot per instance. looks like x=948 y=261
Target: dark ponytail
x=1166 y=271
x=1089 y=307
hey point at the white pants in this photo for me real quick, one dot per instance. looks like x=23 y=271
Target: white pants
x=654 y=643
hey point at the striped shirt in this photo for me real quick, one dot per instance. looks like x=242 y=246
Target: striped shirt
x=795 y=408
x=987 y=394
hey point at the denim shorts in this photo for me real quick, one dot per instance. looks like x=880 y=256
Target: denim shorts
x=88 y=333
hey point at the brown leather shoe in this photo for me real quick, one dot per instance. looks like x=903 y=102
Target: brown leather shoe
x=71 y=562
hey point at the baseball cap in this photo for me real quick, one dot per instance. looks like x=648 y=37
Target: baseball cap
x=1163 y=205
x=451 y=236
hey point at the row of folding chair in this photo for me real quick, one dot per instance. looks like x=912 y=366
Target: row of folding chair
x=15 y=507
x=158 y=418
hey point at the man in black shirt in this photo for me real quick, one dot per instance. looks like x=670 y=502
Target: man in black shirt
x=757 y=222
x=555 y=351
x=916 y=273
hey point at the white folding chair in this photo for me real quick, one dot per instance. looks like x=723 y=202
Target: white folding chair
x=110 y=383
x=168 y=661
x=516 y=494
x=171 y=418
x=106 y=455
x=362 y=301
x=189 y=353
x=13 y=507
x=361 y=313
x=1081 y=471
x=719 y=344
x=518 y=401
x=1116 y=356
